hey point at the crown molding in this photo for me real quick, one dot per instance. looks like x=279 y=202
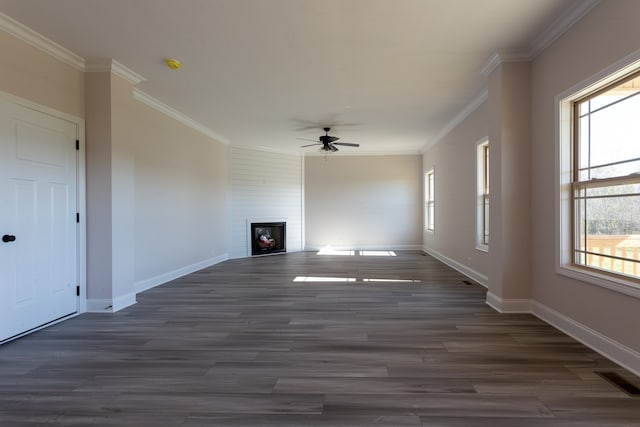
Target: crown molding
x=491 y=64
x=478 y=100
x=126 y=73
x=176 y=115
x=37 y=40
x=502 y=57
x=561 y=25
x=115 y=67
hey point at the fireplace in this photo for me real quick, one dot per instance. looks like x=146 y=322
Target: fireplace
x=268 y=238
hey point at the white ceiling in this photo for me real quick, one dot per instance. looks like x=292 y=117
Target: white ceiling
x=388 y=74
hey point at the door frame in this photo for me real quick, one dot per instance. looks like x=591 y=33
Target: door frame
x=81 y=235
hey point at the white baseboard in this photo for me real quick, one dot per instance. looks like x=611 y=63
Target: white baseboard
x=494 y=302
x=123 y=301
x=508 y=305
x=106 y=305
x=152 y=282
x=99 y=305
x=472 y=274
x=367 y=248
x=613 y=350
x=624 y=356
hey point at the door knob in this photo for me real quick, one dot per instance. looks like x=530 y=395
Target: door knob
x=8 y=238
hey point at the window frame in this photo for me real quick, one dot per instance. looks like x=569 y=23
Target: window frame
x=429 y=200
x=565 y=161
x=482 y=195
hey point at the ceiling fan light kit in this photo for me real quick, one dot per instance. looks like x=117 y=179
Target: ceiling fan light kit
x=328 y=143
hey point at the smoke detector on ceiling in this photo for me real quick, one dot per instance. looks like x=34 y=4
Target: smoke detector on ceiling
x=174 y=64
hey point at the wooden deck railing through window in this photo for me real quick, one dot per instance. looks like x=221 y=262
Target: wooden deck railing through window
x=617 y=246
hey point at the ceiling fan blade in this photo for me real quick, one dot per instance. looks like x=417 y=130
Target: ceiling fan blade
x=305 y=139
x=347 y=144
x=333 y=147
x=310 y=145
x=331 y=138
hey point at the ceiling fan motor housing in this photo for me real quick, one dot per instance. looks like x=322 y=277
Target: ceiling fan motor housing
x=328 y=139
x=327 y=142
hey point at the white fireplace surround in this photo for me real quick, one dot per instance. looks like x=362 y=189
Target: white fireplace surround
x=256 y=220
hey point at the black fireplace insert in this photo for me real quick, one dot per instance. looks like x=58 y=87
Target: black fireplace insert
x=268 y=238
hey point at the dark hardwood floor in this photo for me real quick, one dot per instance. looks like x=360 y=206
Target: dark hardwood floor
x=404 y=341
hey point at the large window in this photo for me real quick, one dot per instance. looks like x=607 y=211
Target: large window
x=605 y=179
x=482 y=180
x=430 y=200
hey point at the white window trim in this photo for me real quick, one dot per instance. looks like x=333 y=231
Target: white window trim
x=480 y=245
x=431 y=171
x=563 y=220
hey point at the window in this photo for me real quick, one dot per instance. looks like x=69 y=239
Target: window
x=482 y=216
x=430 y=201
x=605 y=179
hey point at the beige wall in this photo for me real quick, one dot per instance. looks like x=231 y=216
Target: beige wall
x=156 y=189
x=123 y=230
x=29 y=73
x=363 y=201
x=510 y=157
x=454 y=163
x=180 y=189
x=603 y=37
x=524 y=184
x=156 y=195
x=98 y=181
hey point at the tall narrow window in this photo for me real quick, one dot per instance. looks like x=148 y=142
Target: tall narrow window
x=430 y=200
x=482 y=217
x=606 y=179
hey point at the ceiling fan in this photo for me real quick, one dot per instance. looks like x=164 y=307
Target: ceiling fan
x=327 y=142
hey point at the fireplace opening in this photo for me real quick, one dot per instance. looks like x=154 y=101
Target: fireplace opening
x=268 y=238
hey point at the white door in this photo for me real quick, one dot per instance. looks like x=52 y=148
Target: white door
x=38 y=249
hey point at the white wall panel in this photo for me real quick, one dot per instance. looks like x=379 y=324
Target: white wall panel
x=265 y=186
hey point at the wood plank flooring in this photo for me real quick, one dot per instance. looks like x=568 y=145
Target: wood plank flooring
x=388 y=341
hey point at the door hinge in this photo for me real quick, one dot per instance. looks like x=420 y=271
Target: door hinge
x=78 y=217
x=77 y=144
x=78 y=290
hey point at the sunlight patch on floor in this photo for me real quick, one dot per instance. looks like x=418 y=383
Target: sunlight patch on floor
x=377 y=253
x=328 y=250
x=392 y=280
x=324 y=279
x=350 y=280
